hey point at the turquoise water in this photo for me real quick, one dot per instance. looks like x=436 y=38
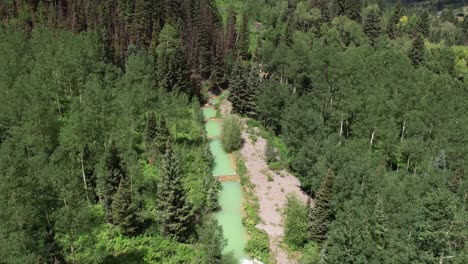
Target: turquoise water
x=222 y=163
x=230 y=197
x=213 y=129
x=230 y=218
x=209 y=112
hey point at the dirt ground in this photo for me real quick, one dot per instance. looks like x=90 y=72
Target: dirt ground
x=272 y=194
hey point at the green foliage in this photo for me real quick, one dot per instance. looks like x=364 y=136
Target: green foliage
x=371 y=26
x=271 y=154
x=124 y=210
x=322 y=214
x=296 y=224
x=175 y=216
x=310 y=254
x=416 y=53
x=231 y=133
x=210 y=237
x=243 y=89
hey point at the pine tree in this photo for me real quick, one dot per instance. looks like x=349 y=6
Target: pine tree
x=124 y=210
x=371 y=25
x=150 y=130
x=392 y=26
x=114 y=173
x=322 y=214
x=416 y=53
x=142 y=22
x=353 y=10
x=162 y=135
x=172 y=71
x=174 y=214
x=423 y=26
x=211 y=240
x=231 y=34
x=379 y=224
x=205 y=53
x=243 y=42
x=339 y=7
x=324 y=11
x=243 y=89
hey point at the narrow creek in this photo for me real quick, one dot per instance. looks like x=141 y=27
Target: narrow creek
x=230 y=198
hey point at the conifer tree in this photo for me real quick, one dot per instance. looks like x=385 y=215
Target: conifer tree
x=231 y=34
x=211 y=240
x=392 y=26
x=423 y=26
x=151 y=128
x=379 y=223
x=114 y=173
x=172 y=71
x=371 y=25
x=339 y=7
x=142 y=22
x=174 y=211
x=124 y=210
x=353 y=10
x=324 y=11
x=416 y=53
x=322 y=214
x=162 y=135
x=243 y=42
x=243 y=87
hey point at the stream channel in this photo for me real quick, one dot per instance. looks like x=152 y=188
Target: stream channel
x=230 y=198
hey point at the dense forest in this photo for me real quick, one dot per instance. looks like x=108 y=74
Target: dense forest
x=104 y=157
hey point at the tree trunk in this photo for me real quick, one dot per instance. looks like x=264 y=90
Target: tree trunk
x=84 y=176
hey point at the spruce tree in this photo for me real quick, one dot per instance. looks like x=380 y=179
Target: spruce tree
x=211 y=240
x=243 y=42
x=322 y=214
x=416 y=53
x=243 y=89
x=162 y=136
x=392 y=26
x=379 y=224
x=150 y=130
x=423 y=25
x=114 y=173
x=353 y=10
x=172 y=71
x=142 y=22
x=324 y=11
x=174 y=212
x=339 y=7
x=124 y=212
x=371 y=25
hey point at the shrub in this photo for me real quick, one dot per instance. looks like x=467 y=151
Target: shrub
x=310 y=254
x=270 y=153
x=231 y=135
x=296 y=223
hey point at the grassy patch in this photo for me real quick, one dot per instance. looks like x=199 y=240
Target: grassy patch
x=257 y=246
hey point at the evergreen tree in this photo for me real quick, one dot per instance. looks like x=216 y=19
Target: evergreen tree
x=339 y=7
x=142 y=22
x=243 y=89
x=114 y=173
x=322 y=214
x=172 y=71
x=392 y=26
x=371 y=25
x=205 y=47
x=124 y=212
x=243 y=42
x=324 y=11
x=162 y=136
x=174 y=214
x=416 y=53
x=211 y=240
x=379 y=223
x=353 y=10
x=423 y=25
x=151 y=129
